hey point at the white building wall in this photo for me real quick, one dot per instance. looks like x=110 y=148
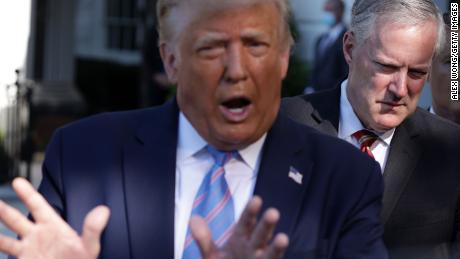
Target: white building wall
x=91 y=33
x=14 y=31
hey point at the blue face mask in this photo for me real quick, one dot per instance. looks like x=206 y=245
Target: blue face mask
x=328 y=19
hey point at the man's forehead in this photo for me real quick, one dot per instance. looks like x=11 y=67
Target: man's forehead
x=389 y=41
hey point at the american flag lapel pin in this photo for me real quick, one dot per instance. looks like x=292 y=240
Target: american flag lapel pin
x=295 y=175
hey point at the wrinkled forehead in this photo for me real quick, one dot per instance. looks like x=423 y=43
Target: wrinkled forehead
x=178 y=14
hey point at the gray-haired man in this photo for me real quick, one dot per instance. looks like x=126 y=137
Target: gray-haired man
x=389 y=49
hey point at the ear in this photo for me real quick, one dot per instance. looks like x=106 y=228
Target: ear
x=170 y=60
x=285 y=55
x=349 y=44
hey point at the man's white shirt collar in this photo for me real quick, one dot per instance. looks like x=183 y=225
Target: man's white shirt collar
x=349 y=122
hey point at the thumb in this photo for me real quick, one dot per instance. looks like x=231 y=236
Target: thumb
x=95 y=222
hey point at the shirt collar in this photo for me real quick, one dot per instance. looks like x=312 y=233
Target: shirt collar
x=349 y=122
x=190 y=143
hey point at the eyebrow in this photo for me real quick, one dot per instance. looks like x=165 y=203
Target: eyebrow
x=388 y=61
x=251 y=34
x=211 y=38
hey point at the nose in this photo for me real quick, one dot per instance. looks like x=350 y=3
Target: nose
x=398 y=86
x=235 y=65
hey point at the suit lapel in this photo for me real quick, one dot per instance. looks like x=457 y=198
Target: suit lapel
x=326 y=110
x=149 y=178
x=282 y=152
x=402 y=159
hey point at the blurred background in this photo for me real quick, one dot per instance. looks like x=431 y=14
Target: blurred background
x=63 y=60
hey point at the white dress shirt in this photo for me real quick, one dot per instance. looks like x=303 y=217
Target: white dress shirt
x=192 y=164
x=349 y=124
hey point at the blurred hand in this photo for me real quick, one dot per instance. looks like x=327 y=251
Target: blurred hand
x=49 y=236
x=250 y=239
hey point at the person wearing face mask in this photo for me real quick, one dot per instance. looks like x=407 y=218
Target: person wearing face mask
x=329 y=66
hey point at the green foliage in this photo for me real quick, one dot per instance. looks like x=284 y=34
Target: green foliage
x=297 y=75
x=296 y=78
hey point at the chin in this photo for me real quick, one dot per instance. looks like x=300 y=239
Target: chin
x=232 y=141
x=387 y=124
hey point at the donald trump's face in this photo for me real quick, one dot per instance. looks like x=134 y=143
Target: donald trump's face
x=229 y=64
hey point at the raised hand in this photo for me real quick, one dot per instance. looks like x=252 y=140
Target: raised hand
x=49 y=236
x=250 y=239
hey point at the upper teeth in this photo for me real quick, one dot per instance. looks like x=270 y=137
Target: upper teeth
x=236 y=110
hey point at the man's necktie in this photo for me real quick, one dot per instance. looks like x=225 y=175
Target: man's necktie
x=365 y=139
x=214 y=203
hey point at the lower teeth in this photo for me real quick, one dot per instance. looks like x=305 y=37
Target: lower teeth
x=236 y=110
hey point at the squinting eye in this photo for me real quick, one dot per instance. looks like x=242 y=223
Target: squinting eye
x=258 y=48
x=417 y=74
x=384 y=67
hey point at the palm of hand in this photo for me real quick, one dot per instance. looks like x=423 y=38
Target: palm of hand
x=250 y=239
x=49 y=237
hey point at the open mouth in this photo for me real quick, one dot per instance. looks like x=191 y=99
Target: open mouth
x=236 y=109
x=236 y=105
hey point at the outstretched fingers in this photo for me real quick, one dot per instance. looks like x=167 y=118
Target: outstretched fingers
x=248 y=220
x=14 y=219
x=277 y=247
x=9 y=245
x=264 y=229
x=203 y=237
x=34 y=201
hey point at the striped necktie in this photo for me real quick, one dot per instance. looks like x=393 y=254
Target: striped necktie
x=214 y=203
x=365 y=139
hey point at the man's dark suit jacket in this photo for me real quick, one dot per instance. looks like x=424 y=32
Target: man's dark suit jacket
x=127 y=161
x=421 y=210
x=330 y=67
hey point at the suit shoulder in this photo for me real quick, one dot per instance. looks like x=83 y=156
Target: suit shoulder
x=433 y=126
x=332 y=146
x=111 y=126
x=330 y=151
x=106 y=121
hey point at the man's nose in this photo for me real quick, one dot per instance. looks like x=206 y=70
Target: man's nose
x=235 y=64
x=398 y=86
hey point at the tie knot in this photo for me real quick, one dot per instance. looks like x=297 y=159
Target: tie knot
x=220 y=158
x=365 y=137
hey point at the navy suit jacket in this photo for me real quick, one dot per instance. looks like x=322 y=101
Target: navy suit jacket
x=330 y=67
x=421 y=201
x=127 y=160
